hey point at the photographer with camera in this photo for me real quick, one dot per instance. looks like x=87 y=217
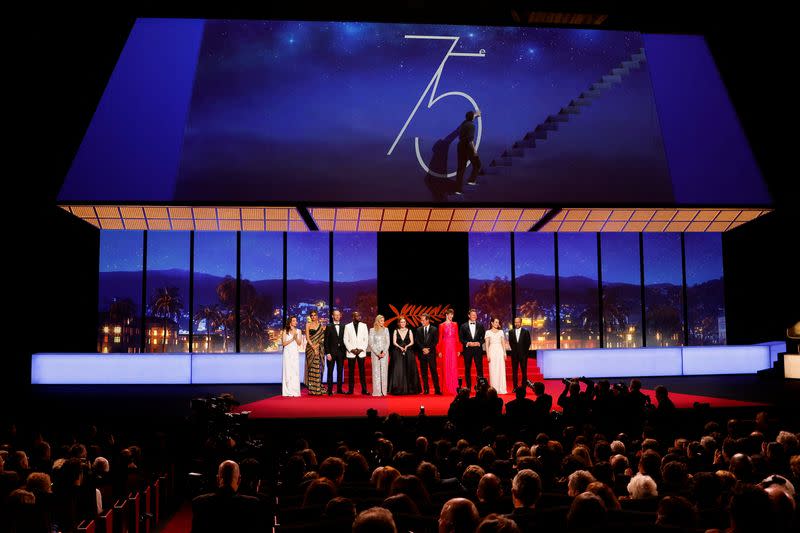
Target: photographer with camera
x=576 y=404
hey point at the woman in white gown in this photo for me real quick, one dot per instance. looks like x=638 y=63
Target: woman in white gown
x=291 y=339
x=496 y=354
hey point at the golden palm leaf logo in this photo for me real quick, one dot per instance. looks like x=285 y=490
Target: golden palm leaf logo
x=413 y=313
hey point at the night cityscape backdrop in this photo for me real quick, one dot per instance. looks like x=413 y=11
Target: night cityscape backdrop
x=261 y=314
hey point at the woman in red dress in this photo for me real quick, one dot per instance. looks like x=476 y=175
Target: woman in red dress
x=449 y=347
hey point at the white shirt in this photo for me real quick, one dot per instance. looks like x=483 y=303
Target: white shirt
x=472 y=329
x=426 y=330
x=517 y=332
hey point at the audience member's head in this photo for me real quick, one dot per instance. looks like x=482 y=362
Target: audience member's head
x=741 y=467
x=333 y=469
x=319 y=492
x=650 y=464
x=21 y=497
x=495 y=523
x=228 y=476
x=413 y=487
x=707 y=489
x=400 y=504
x=429 y=474
x=619 y=463
x=100 y=466
x=383 y=477
x=602 y=471
x=489 y=488
x=526 y=488
x=675 y=475
x=340 y=508
x=789 y=442
x=309 y=458
x=582 y=453
x=617 y=447
x=405 y=462
x=605 y=493
x=676 y=511
x=471 y=477
x=578 y=481
x=642 y=487
x=458 y=515
x=38 y=483
x=357 y=468
x=587 y=512
x=374 y=520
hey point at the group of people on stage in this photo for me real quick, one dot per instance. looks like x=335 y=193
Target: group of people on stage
x=395 y=355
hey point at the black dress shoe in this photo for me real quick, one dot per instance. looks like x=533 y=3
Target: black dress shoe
x=348 y=392
x=426 y=392
x=339 y=391
x=364 y=392
x=438 y=393
x=330 y=393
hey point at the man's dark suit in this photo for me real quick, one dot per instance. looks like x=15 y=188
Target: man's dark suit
x=428 y=341
x=225 y=511
x=334 y=345
x=472 y=353
x=519 y=354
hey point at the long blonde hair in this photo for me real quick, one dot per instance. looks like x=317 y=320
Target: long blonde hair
x=376 y=326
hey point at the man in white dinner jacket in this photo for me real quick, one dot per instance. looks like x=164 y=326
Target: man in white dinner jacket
x=356 y=339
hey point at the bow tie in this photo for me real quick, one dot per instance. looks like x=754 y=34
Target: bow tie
x=472 y=323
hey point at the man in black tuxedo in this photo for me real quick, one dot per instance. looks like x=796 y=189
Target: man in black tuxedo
x=427 y=336
x=520 y=341
x=225 y=510
x=335 y=351
x=471 y=334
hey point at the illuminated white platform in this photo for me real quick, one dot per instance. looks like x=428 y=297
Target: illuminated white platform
x=647 y=362
x=157 y=369
x=187 y=369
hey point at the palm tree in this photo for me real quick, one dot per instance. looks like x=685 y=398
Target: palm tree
x=226 y=292
x=167 y=304
x=251 y=327
x=211 y=315
x=494 y=298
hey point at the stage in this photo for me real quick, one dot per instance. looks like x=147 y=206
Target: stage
x=356 y=405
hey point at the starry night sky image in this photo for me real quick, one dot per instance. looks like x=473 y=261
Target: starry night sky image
x=308 y=110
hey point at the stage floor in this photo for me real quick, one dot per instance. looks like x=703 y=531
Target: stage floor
x=125 y=403
x=356 y=405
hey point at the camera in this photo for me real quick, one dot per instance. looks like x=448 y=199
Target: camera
x=566 y=381
x=422 y=409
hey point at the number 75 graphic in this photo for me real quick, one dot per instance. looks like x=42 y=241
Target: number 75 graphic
x=432 y=85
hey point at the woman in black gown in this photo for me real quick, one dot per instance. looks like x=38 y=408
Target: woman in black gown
x=403 y=372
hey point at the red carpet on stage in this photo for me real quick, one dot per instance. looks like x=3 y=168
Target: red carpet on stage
x=356 y=405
